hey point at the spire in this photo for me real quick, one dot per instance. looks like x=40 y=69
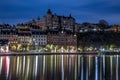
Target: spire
x=38 y=18
x=49 y=11
x=70 y=16
x=33 y=20
x=55 y=14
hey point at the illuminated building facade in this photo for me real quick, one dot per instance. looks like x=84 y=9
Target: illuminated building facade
x=6 y=32
x=24 y=39
x=115 y=28
x=87 y=27
x=39 y=38
x=53 y=21
x=62 y=39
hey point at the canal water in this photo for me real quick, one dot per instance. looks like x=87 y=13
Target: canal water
x=60 y=67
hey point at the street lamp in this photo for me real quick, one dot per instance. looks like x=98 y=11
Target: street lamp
x=62 y=31
x=62 y=49
x=74 y=35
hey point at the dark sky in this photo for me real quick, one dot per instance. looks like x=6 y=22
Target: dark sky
x=17 y=11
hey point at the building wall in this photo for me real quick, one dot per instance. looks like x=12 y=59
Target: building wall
x=62 y=39
x=40 y=40
x=24 y=40
x=115 y=28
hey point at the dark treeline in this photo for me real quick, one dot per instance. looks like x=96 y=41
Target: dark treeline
x=97 y=39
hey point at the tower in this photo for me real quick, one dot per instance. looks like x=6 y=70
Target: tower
x=48 y=19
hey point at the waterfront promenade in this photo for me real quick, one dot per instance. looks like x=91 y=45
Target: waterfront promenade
x=47 y=53
x=59 y=53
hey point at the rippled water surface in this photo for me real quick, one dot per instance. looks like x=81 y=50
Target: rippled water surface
x=60 y=67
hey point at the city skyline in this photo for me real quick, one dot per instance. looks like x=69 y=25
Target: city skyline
x=16 y=11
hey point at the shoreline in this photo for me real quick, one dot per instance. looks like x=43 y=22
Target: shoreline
x=46 y=53
x=57 y=53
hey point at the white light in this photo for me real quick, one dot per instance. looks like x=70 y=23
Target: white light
x=1 y=64
x=81 y=30
x=95 y=29
x=8 y=65
x=62 y=32
x=33 y=39
x=103 y=49
x=23 y=64
x=74 y=34
x=86 y=30
x=36 y=61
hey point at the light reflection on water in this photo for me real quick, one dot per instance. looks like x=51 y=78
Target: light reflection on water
x=59 y=67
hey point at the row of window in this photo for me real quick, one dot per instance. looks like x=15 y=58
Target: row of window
x=25 y=39
x=39 y=36
x=42 y=43
x=8 y=36
x=62 y=43
x=40 y=39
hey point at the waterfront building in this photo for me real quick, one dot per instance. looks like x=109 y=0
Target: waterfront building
x=64 y=39
x=13 y=39
x=5 y=34
x=24 y=39
x=39 y=39
x=4 y=31
x=9 y=35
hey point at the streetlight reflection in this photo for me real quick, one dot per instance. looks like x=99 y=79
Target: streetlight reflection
x=1 y=60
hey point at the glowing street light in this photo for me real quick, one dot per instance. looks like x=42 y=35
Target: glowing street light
x=75 y=35
x=62 y=31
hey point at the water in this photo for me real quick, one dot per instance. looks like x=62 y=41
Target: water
x=60 y=67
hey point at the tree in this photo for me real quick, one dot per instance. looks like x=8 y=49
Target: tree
x=103 y=24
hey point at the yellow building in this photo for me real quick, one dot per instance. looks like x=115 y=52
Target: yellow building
x=115 y=28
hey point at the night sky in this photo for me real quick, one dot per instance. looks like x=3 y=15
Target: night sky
x=17 y=11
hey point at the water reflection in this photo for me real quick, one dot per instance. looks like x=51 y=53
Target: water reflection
x=59 y=67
